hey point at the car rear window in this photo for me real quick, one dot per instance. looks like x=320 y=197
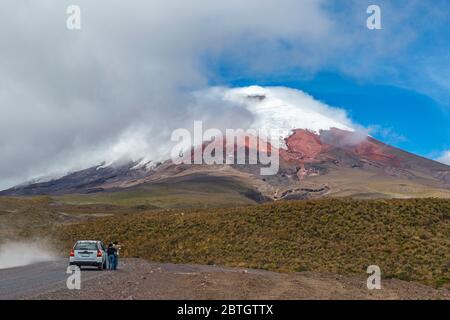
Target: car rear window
x=86 y=246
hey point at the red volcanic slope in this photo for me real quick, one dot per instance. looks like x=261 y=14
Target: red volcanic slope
x=304 y=146
x=249 y=142
x=307 y=147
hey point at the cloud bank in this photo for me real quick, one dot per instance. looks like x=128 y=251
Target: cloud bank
x=116 y=89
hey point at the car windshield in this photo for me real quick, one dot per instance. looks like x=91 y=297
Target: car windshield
x=86 y=246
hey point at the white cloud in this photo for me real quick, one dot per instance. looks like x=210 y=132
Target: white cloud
x=445 y=158
x=120 y=85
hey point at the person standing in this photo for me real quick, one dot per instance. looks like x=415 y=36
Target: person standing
x=117 y=248
x=111 y=252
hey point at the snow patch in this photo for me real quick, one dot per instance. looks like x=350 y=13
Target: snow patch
x=281 y=110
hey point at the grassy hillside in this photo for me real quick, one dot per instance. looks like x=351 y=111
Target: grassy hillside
x=206 y=192
x=408 y=239
x=21 y=216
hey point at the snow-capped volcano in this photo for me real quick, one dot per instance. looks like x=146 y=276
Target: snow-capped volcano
x=312 y=165
x=323 y=151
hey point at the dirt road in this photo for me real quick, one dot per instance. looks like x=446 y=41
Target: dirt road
x=26 y=281
x=140 y=279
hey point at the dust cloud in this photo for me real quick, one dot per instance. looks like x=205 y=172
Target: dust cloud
x=17 y=254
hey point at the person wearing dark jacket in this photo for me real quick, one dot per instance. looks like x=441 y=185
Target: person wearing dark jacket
x=111 y=252
x=117 y=247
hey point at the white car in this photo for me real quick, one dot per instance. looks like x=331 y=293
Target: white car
x=90 y=253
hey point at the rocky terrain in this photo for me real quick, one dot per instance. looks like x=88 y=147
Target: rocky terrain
x=140 y=279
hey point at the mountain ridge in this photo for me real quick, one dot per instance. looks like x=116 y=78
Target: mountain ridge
x=330 y=162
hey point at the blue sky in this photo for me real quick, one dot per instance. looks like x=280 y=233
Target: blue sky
x=396 y=79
